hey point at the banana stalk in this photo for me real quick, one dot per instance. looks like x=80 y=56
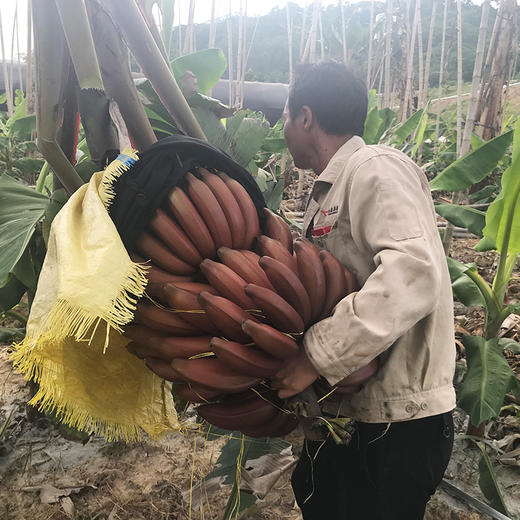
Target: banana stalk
x=127 y=16
x=51 y=58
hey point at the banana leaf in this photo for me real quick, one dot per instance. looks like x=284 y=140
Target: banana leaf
x=21 y=208
x=503 y=215
x=207 y=65
x=464 y=288
x=11 y=293
x=470 y=218
x=403 y=131
x=488 y=482
x=488 y=379
x=474 y=166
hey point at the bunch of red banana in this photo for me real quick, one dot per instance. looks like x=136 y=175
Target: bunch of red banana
x=227 y=305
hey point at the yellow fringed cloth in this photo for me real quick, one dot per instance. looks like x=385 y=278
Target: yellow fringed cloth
x=74 y=347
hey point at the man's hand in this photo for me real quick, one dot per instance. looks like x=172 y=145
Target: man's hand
x=297 y=374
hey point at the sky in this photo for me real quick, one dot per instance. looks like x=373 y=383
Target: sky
x=202 y=14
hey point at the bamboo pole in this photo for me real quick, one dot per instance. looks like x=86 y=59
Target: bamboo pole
x=343 y=35
x=245 y=56
x=240 y=51
x=408 y=91
x=11 y=65
x=322 y=43
x=420 y=102
x=388 y=54
x=28 y=77
x=302 y=34
x=189 y=38
x=457 y=196
x=18 y=60
x=370 y=44
x=7 y=86
x=168 y=15
x=426 y=79
x=212 y=27
x=230 y=56
x=289 y=41
x=476 y=83
x=441 y=72
x=180 y=26
x=459 y=76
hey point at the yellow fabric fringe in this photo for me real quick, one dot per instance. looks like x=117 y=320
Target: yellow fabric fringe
x=74 y=347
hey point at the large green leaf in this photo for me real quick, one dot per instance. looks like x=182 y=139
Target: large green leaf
x=483 y=195
x=419 y=138
x=207 y=65
x=9 y=335
x=470 y=218
x=21 y=208
x=509 y=344
x=488 y=379
x=22 y=127
x=11 y=293
x=474 y=166
x=503 y=215
x=275 y=198
x=403 y=131
x=464 y=288
x=488 y=482
x=372 y=124
x=28 y=164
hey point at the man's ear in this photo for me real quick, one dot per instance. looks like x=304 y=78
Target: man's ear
x=306 y=117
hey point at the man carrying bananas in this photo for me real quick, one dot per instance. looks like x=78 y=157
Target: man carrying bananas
x=371 y=207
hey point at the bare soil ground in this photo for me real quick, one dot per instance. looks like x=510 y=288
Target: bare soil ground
x=45 y=475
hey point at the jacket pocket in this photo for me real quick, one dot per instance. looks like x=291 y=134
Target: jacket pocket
x=399 y=211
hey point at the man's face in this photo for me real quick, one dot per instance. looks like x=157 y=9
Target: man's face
x=296 y=138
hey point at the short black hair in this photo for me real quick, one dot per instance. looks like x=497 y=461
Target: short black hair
x=337 y=98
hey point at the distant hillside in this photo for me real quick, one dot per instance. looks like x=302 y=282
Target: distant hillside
x=268 y=59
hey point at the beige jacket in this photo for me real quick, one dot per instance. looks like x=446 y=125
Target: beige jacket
x=372 y=208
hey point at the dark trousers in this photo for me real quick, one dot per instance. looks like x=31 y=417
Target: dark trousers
x=383 y=473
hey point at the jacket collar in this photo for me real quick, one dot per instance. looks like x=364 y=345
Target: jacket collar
x=337 y=163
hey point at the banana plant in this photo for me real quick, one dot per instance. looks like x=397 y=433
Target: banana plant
x=489 y=377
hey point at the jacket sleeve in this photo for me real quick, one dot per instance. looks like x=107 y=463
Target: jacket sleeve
x=391 y=221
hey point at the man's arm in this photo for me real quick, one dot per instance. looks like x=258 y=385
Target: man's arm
x=402 y=290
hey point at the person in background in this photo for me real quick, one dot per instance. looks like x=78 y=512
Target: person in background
x=371 y=207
